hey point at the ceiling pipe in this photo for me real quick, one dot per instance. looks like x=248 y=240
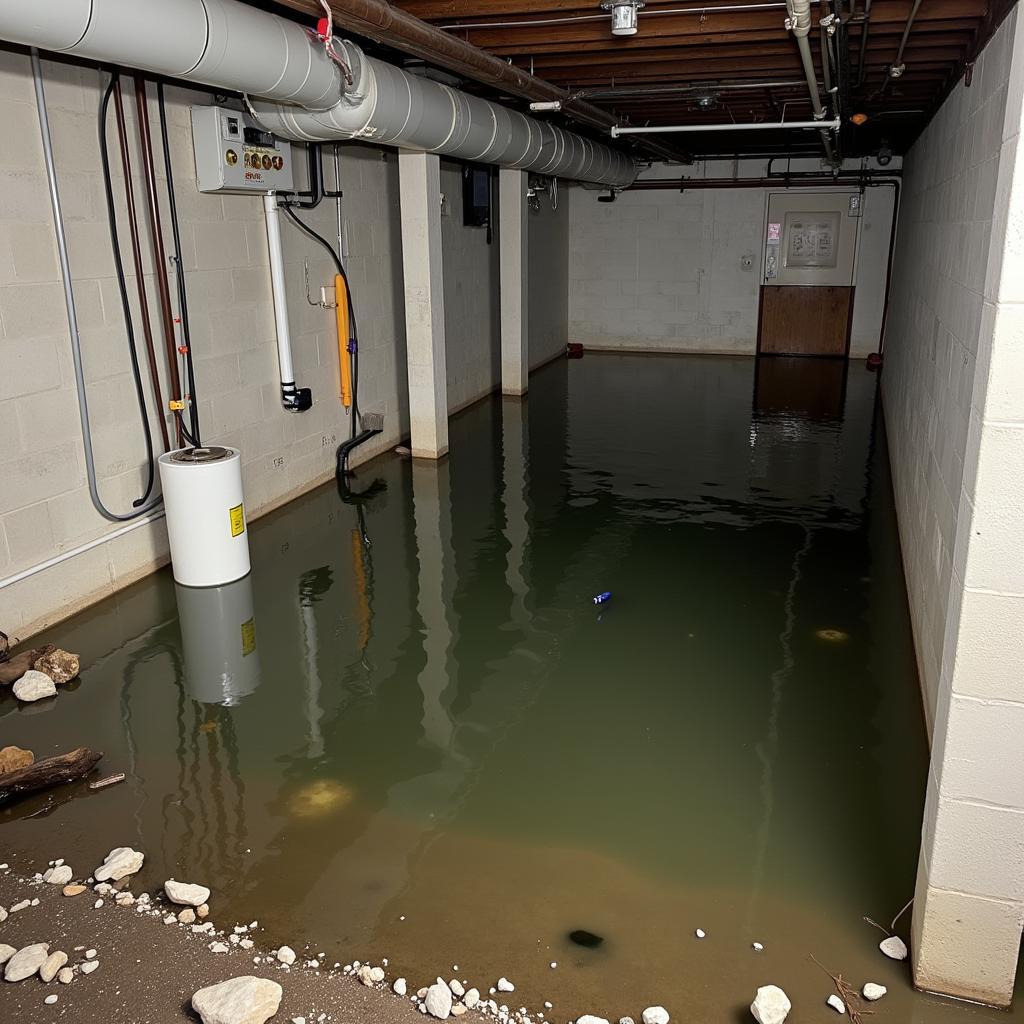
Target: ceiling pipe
x=622 y=92
x=380 y=21
x=799 y=23
x=298 y=91
x=757 y=126
x=808 y=179
x=897 y=67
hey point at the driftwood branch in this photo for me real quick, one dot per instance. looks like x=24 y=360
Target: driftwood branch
x=51 y=771
x=15 y=667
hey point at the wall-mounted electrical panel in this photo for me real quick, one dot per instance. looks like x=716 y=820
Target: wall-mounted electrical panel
x=233 y=154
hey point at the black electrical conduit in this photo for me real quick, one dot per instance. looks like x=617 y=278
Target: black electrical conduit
x=356 y=436
x=69 y=301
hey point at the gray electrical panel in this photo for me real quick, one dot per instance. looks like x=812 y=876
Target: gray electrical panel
x=233 y=154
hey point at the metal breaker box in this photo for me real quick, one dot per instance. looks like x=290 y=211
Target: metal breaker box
x=233 y=154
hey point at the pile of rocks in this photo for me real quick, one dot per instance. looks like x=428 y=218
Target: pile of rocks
x=44 y=673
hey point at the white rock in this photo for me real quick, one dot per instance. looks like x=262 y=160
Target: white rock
x=185 y=893
x=771 y=1005
x=399 y=987
x=50 y=999
x=894 y=948
x=170 y=919
x=65 y=975
x=218 y=947
x=6 y=952
x=90 y=954
x=246 y=943
x=244 y=1000
x=59 y=875
x=457 y=987
x=376 y=974
x=836 y=1003
x=34 y=685
x=23 y=905
x=757 y=947
x=119 y=863
x=504 y=985
x=871 y=991
x=553 y=965
x=439 y=1000
x=89 y=966
x=589 y=1018
x=286 y=955
x=655 y=1015
x=97 y=904
x=52 y=964
x=700 y=933
x=471 y=998
x=187 y=916
x=3 y=914
x=26 y=961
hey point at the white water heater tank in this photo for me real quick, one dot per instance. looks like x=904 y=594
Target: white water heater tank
x=205 y=515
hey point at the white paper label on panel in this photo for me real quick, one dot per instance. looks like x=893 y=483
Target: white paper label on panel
x=812 y=239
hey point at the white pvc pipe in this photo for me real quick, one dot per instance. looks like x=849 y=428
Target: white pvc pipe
x=277 y=287
x=729 y=127
x=49 y=563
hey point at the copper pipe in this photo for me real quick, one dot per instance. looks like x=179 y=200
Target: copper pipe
x=160 y=255
x=140 y=278
x=379 y=20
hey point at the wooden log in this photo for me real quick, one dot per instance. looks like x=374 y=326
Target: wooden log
x=14 y=668
x=51 y=771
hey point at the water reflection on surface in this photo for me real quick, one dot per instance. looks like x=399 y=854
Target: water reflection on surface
x=410 y=733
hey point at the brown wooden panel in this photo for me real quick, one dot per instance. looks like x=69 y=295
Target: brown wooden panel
x=802 y=320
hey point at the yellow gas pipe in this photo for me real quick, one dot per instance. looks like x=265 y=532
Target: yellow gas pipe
x=344 y=357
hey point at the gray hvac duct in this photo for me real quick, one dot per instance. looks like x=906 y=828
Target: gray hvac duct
x=296 y=90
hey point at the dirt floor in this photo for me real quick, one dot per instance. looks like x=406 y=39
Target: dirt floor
x=148 y=971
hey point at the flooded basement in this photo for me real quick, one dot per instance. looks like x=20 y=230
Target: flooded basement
x=431 y=745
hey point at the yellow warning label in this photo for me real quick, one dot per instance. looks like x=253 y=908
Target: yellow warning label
x=248 y=637
x=237 y=515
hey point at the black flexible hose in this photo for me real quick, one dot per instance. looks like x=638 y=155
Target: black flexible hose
x=186 y=334
x=302 y=226
x=115 y=246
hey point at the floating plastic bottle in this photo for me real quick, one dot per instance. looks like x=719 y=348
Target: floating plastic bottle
x=601 y=598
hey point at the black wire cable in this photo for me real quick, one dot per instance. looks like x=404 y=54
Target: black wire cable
x=115 y=246
x=180 y=272
x=303 y=226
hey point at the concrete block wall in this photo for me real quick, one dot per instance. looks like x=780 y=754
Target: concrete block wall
x=953 y=390
x=471 y=303
x=44 y=504
x=548 y=254
x=935 y=326
x=661 y=271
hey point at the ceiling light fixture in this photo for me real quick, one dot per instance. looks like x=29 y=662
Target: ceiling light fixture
x=624 y=16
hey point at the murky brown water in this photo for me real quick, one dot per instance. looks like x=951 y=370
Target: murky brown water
x=412 y=708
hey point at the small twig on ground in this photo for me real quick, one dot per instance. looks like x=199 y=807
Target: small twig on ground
x=875 y=924
x=849 y=995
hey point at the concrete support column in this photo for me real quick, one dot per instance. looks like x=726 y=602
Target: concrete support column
x=420 y=191
x=969 y=904
x=512 y=240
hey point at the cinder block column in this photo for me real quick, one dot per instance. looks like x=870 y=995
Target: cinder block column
x=512 y=240
x=969 y=905
x=420 y=190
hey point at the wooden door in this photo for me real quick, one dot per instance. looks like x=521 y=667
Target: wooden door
x=804 y=320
